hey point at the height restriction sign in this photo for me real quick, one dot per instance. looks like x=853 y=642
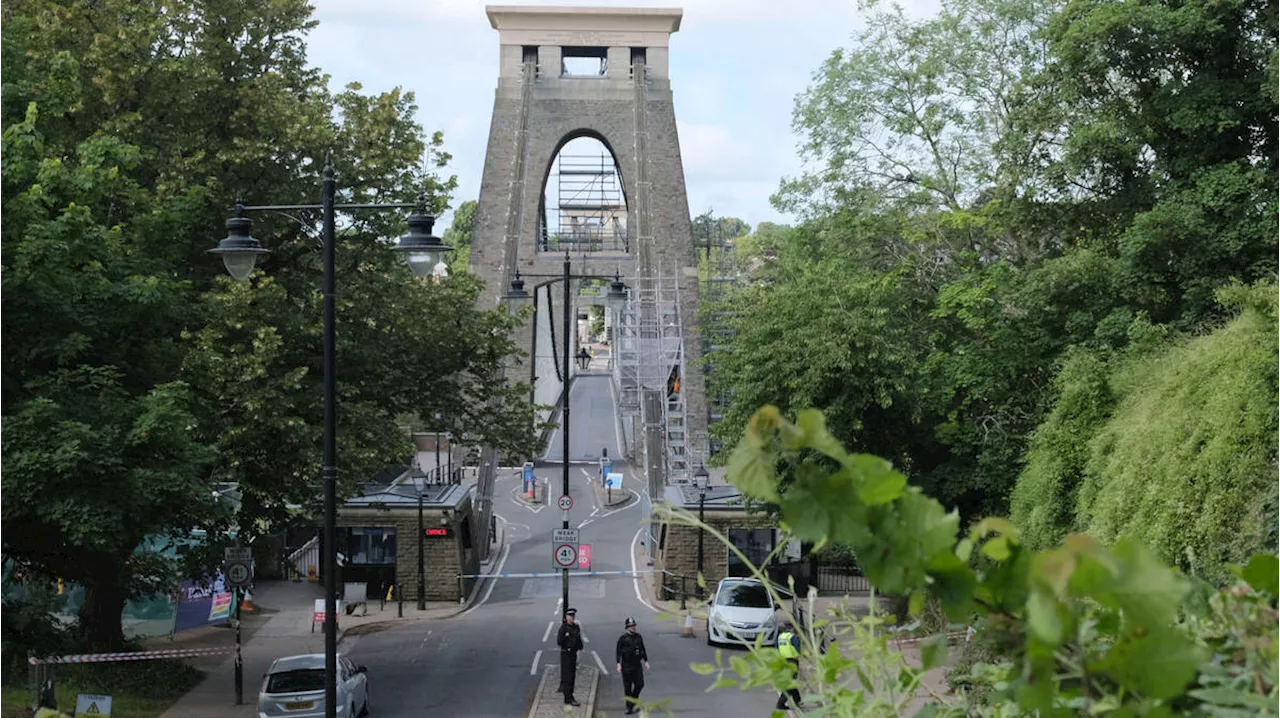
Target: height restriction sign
x=564 y=547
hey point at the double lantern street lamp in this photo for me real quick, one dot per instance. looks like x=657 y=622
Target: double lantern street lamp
x=700 y=479
x=616 y=296
x=240 y=252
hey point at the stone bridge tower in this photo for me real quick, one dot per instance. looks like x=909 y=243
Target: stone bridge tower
x=543 y=100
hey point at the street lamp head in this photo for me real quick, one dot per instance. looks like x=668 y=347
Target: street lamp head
x=701 y=478
x=617 y=292
x=421 y=249
x=420 y=483
x=517 y=291
x=239 y=251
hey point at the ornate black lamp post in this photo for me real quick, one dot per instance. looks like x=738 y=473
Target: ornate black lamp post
x=617 y=294
x=240 y=252
x=420 y=483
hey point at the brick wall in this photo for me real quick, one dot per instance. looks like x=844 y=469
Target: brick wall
x=443 y=558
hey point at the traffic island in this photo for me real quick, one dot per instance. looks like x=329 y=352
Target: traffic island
x=609 y=500
x=539 y=495
x=549 y=702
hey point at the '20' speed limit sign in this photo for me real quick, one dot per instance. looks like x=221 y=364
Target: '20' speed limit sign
x=566 y=555
x=565 y=502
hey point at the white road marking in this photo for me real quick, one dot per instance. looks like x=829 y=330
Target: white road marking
x=599 y=662
x=559 y=601
x=585 y=639
x=536 y=657
x=584 y=473
x=506 y=550
x=635 y=577
x=593 y=513
x=585 y=522
x=547 y=633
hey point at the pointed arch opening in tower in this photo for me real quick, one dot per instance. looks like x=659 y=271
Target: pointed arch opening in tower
x=584 y=204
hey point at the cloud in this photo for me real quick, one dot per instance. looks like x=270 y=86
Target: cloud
x=736 y=67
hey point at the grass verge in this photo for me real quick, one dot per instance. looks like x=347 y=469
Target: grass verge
x=142 y=689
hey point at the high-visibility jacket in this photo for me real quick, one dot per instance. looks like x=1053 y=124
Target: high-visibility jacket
x=789 y=645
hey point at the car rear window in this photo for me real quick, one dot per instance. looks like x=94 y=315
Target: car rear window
x=745 y=595
x=311 y=679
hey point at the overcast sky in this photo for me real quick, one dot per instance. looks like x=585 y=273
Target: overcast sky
x=736 y=67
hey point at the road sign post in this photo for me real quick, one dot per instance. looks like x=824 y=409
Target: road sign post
x=611 y=481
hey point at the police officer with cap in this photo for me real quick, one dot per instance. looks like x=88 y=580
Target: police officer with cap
x=631 y=655
x=569 y=638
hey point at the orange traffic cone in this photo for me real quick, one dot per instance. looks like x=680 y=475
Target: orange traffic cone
x=246 y=603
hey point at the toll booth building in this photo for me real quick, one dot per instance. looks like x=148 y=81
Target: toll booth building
x=379 y=539
x=674 y=546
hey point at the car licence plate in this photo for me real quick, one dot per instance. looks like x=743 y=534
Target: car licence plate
x=299 y=705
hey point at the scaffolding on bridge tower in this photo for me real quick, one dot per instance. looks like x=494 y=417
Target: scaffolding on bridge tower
x=649 y=359
x=719 y=292
x=590 y=212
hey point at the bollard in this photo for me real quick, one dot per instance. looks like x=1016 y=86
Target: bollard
x=400 y=600
x=684 y=595
x=462 y=598
x=688 y=625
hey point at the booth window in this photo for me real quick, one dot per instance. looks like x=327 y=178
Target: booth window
x=368 y=545
x=755 y=544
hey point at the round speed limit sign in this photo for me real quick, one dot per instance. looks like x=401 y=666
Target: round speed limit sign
x=566 y=555
x=565 y=503
x=237 y=574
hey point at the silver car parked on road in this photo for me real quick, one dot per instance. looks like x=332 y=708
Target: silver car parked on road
x=294 y=687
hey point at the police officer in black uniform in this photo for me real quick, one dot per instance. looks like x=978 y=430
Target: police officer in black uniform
x=631 y=655
x=569 y=638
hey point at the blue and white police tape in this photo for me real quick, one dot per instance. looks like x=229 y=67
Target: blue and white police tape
x=556 y=574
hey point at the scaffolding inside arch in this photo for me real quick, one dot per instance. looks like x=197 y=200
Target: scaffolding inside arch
x=590 y=213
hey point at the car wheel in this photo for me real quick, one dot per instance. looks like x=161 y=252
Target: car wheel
x=364 y=711
x=709 y=641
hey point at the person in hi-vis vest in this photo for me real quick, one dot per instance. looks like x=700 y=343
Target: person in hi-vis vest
x=789 y=648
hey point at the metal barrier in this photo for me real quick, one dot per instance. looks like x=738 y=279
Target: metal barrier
x=306 y=558
x=555 y=574
x=130 y=655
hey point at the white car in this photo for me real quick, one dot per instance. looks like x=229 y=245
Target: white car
x=742 y=609
x=294 y=686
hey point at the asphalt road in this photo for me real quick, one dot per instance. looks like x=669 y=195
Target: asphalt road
x=488 y=660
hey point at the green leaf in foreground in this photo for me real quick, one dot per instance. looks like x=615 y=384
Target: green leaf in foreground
x=1158 y=665
x=1263 y=573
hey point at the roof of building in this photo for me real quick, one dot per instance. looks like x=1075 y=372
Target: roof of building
x=402 y=492
x=719 y=498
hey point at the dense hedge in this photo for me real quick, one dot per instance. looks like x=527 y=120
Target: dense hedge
x=1177 y=447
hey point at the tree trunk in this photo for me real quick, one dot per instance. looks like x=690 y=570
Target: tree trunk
x=102 y=615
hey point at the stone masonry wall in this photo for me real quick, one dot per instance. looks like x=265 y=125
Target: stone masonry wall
x=523 y=142
x=444 y=558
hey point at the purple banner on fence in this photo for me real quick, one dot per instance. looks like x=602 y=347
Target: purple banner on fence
x=202 y=605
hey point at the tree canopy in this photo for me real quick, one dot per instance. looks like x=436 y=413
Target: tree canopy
x=135 y=373
x=995 y=200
